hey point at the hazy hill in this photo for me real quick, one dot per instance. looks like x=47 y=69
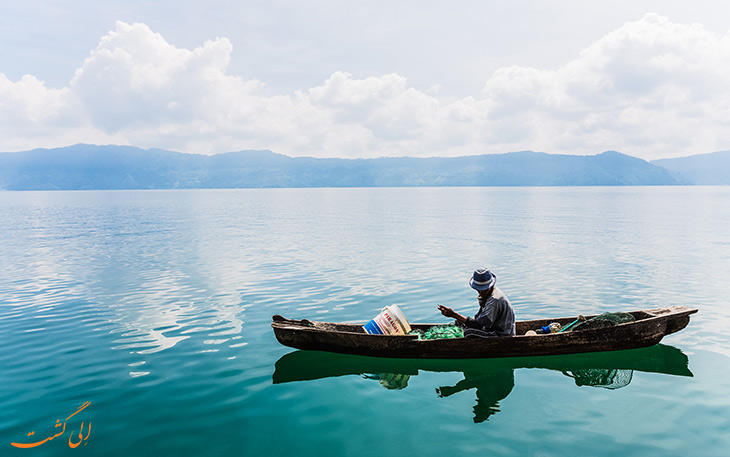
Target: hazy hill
x=123 y=167
x=712 y=168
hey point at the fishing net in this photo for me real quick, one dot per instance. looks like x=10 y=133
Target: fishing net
x=612 y=378
x=603 y=321
x=439 y=332
x=391 y=381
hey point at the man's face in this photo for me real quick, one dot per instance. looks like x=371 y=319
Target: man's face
x=485 y=293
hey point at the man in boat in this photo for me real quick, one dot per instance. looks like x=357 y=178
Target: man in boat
x=495 y=316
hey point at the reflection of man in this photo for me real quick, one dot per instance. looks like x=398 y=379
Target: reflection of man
x=495 y=316
x=492 y=386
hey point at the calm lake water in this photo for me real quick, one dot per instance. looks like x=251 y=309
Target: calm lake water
x=155 y=307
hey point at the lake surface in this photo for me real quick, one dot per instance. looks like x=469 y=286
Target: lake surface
x=155 y=307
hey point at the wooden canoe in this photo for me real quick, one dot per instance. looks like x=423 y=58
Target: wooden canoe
x=648 y=329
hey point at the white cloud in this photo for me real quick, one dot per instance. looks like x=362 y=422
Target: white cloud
x=134 y=78
x=33 y=115
x=650 y=88
x=372 y=114
x=29 y=100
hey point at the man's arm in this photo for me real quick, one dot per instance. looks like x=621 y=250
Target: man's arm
x=448 y=312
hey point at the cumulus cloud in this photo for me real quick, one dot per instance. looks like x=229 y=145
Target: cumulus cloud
x=650 y=88
x=29 y=108
x=372 y=114
x=134 y=78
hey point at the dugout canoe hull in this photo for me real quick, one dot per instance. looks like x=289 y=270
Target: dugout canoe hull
x=350 y=338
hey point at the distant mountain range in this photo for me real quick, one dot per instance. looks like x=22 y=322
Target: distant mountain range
x=83 y=167
x=707 y=169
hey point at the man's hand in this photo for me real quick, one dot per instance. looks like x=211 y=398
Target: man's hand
x=448 y=312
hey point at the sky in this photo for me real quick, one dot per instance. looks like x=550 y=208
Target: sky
x=362 y=79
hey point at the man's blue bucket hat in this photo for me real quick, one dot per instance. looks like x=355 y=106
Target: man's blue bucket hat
x=483 y=279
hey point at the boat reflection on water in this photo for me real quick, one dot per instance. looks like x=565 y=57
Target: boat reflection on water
x=493 y=379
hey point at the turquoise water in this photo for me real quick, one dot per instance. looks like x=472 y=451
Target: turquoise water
x=155 y=307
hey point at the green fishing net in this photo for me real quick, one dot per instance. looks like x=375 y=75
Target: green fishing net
x=394 y=381
x=603 y=321
x=391 y=381
x=439 y=332
x=600 y=377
